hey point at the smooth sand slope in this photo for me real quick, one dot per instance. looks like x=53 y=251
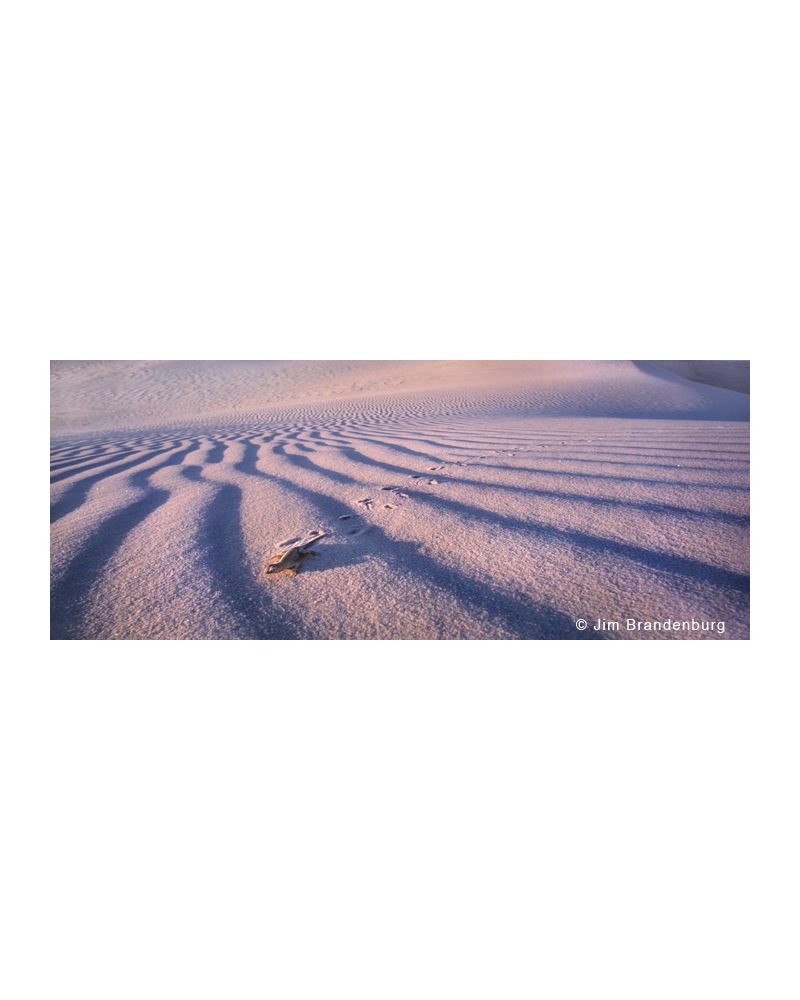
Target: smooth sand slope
x=459 y=500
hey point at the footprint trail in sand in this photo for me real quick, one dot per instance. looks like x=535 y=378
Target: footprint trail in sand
x=502 y=508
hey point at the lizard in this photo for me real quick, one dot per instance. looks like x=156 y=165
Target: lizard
x=292 y=558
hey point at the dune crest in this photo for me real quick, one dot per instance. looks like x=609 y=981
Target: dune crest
x=135 y=395
x=444 y=500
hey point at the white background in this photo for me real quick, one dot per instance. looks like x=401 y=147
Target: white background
x=420 y=819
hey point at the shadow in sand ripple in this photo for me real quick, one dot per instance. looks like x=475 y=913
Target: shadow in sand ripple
x=667 y=562
x=221 y=543
x=608 y=502
x=521 y=617
x=70 y=598
x=75 y=494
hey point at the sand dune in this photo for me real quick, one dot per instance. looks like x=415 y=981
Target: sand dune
x=459 y=499
x=725 y=374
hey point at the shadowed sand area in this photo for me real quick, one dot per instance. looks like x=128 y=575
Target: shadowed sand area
x=460 y=500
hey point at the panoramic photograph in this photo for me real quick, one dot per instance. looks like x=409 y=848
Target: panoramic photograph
x=580 y=500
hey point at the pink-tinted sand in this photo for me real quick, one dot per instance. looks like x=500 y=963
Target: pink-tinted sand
x=460 y=500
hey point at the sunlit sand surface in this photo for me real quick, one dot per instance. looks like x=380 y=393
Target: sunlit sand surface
x=458 y=500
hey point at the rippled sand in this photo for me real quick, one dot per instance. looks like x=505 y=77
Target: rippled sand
x=460 y=500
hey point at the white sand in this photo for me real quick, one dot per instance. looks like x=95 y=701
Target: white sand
x=507 y=499
x=726 y=374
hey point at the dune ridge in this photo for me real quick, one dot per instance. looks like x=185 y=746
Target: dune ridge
x=187 y=395
x=725 y=374
x=459 y=499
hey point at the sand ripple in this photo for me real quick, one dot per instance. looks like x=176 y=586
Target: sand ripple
x=475 y=513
